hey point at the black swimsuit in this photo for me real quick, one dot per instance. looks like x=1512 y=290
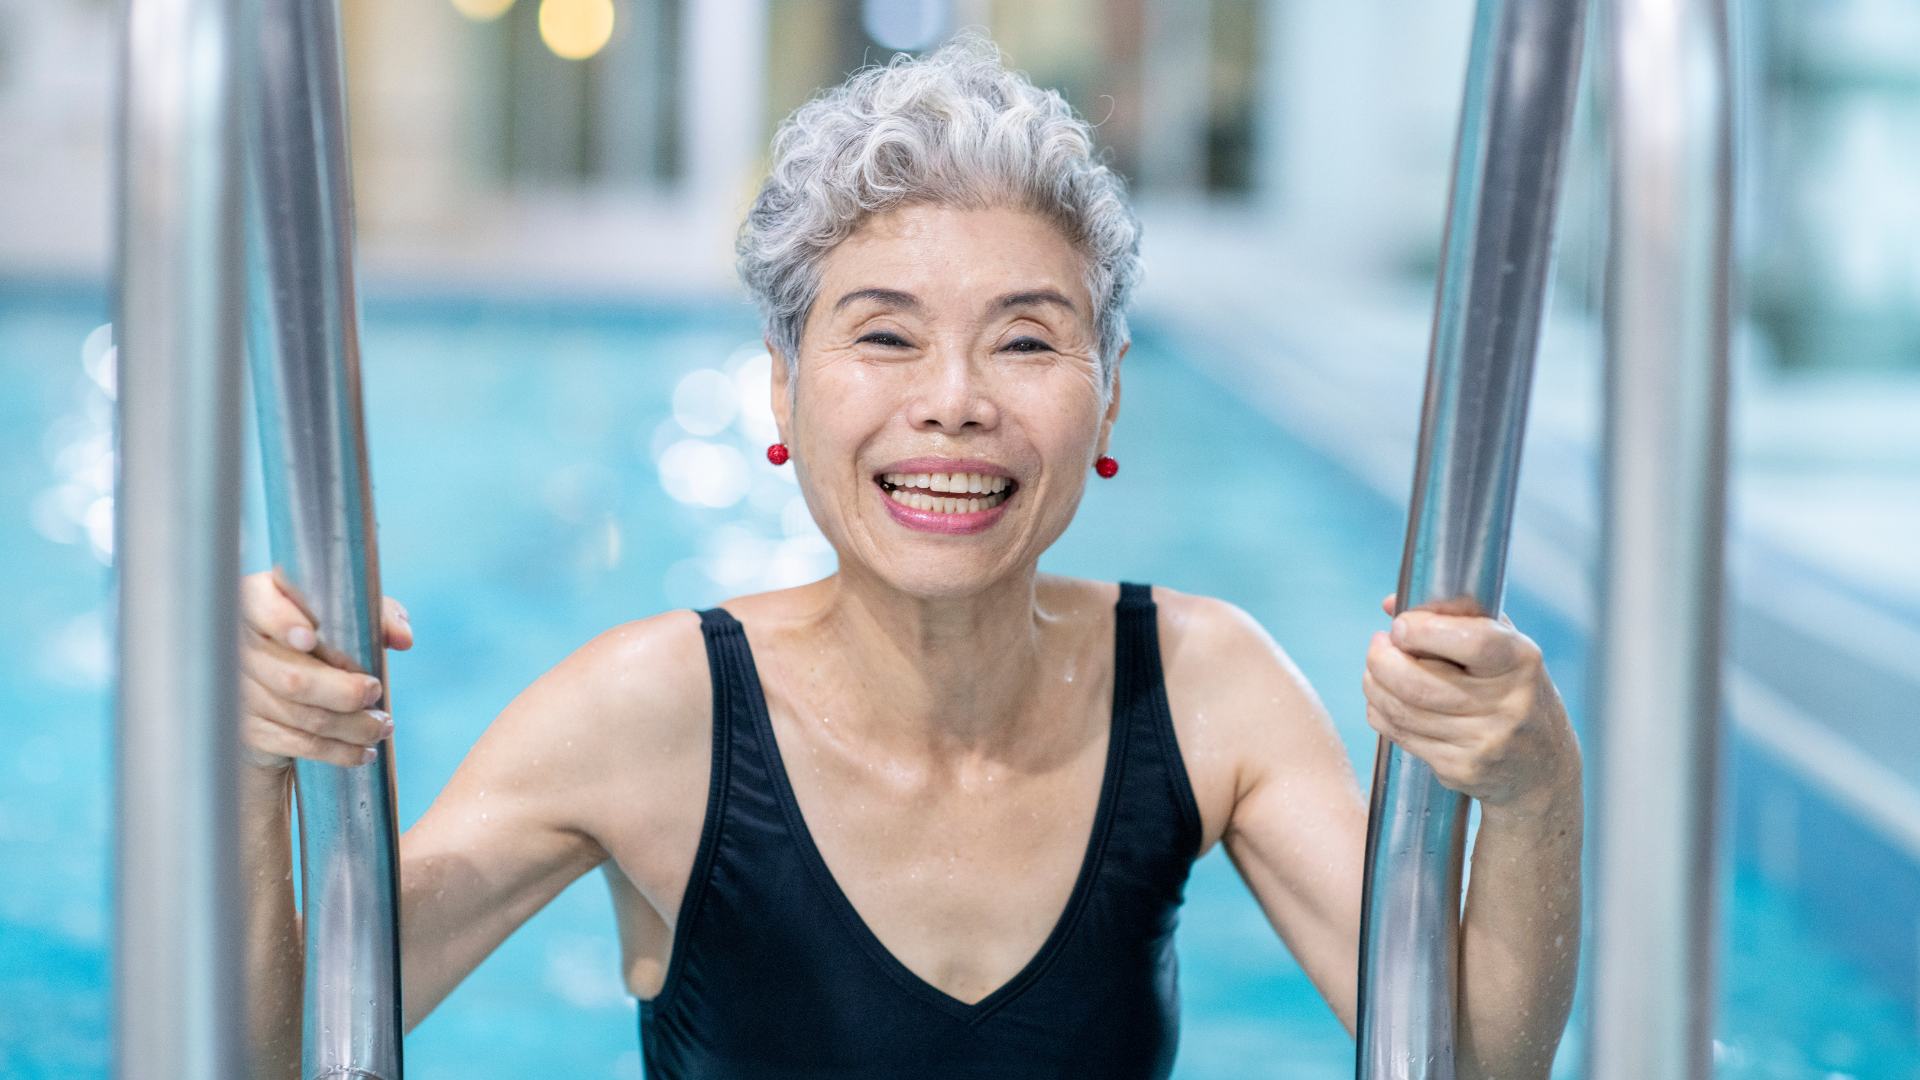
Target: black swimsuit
x=774 y=975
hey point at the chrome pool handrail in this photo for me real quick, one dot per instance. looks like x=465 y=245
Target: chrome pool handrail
x=1664 y=462
x=178 y=914
x=1522 y=76
x=303 y=339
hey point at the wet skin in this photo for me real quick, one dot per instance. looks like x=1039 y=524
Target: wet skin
x=942 y=708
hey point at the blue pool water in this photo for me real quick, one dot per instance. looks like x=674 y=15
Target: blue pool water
x=544 y=473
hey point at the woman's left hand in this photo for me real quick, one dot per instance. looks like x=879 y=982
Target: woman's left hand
x=1470 y=696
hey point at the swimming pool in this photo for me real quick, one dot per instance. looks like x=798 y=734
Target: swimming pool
x=544 y=472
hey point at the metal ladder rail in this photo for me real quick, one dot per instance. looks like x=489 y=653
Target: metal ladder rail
x=303 y=340
x=177 y=968
x=1656 y=682
x=1522 y=76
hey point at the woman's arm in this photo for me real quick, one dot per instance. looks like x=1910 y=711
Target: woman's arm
x=1273 y=781
x=275 y=957
x=1276 y=786
x=617 y=733
x=607 y=753
x=1471 y=697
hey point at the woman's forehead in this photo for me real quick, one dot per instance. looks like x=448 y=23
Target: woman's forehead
x=921 y=256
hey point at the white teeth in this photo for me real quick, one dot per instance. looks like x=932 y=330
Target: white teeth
x=913 y=489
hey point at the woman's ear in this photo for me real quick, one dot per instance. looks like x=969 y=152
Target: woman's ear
x=782 y=400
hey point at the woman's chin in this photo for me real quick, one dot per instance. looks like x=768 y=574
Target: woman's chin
x=931 y=556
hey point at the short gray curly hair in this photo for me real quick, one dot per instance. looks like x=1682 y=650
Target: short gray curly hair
x=955 y=128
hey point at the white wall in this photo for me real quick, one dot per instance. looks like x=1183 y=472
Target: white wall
x=1363 y=101
x=57 y=62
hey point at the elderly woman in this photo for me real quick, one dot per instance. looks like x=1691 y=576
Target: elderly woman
x=933 y=815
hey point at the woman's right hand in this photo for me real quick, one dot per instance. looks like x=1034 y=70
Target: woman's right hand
x=294 y=704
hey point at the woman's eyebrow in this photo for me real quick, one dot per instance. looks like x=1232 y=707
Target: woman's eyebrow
x=1035 y=297
x=892 y=298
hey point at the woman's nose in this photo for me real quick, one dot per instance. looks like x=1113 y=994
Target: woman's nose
x=953 y=395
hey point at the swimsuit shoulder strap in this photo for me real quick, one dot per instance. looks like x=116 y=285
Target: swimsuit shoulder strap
x=730 y=666
x=1140 y=703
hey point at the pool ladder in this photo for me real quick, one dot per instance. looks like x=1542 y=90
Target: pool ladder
x=181 y=284
x=1664 y=462
x=236 y=208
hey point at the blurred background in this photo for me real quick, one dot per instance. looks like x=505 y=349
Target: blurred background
x=567 y=405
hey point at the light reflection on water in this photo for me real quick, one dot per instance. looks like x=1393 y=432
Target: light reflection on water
x=79 y=446
x=712 y=454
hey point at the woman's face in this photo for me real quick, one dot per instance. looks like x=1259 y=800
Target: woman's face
x=943 y=342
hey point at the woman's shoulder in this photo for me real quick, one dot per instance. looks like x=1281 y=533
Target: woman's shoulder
x=1191 y=625
x=619 y=731
x=1237 y=701
x=1222 y=662
x=1210 y=631
x=632 y=684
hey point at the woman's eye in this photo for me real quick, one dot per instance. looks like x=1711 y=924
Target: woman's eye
x=884 y=338
x=1027 y=345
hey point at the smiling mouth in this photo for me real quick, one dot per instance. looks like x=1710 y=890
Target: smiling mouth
x=947 y=493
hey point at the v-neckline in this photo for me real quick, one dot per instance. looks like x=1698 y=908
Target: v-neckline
x=1037 y=965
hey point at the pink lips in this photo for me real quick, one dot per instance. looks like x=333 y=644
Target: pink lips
x=952 y=524
x=930 y=521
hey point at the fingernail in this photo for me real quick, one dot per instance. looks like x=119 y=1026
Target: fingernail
x=1399 y=630
x=301 y=638
x=374 y=692
x=370 y=754
x=402 y=609
x=386 y=722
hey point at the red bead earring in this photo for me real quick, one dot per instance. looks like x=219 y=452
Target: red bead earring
x=777 y=453
x=1106 y=467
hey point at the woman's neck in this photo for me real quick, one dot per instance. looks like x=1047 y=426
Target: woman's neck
x=952 y=672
